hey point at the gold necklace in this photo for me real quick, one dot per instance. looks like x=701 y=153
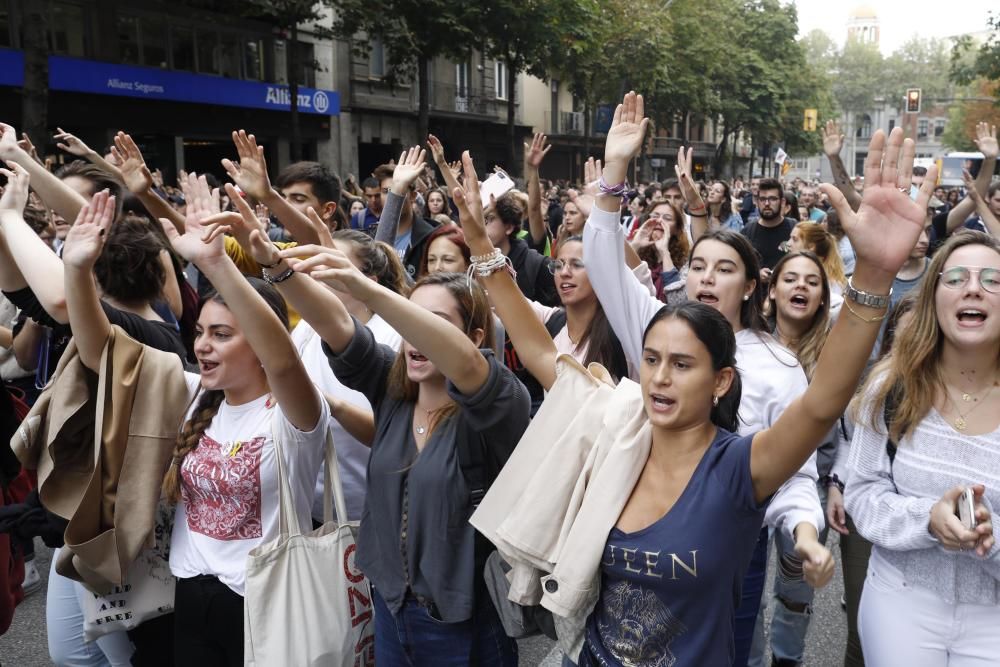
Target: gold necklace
x=961 y=424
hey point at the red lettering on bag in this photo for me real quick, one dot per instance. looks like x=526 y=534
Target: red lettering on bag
x=356 y=576
x=361 y=606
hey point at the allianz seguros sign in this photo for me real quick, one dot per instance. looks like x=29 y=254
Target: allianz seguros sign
x=88 y=76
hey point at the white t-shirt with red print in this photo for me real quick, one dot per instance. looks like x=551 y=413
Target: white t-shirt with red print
x=229 y=488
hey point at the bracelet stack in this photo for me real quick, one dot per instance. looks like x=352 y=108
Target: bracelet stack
x=613 y=191
x=280 y=278
x=486 y=265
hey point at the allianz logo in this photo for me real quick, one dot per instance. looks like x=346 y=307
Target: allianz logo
x=318 y=100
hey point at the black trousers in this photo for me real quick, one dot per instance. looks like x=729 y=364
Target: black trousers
x=208 y=623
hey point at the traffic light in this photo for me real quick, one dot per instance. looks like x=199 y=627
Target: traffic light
x=809 y=120
x=913 y=100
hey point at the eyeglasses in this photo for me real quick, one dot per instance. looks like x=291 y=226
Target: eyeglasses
x=558 y=265
x=768 y=200
x=958 y=276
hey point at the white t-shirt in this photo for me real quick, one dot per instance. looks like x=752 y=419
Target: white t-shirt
x=352 y=455
x=229 y=488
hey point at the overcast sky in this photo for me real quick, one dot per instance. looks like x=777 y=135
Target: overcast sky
x=899 y=19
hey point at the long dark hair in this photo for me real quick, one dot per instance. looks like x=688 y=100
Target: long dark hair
x=752 y=310
x=716 y=334
x=726 y=207
x=603 y=346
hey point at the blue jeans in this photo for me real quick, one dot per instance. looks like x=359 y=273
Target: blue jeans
x=746 y=613
x=413 y=638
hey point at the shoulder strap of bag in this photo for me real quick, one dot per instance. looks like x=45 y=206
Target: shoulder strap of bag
x=286 y=501
x=555 y=323
x=333 y=490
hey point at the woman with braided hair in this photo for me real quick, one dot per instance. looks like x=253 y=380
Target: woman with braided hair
x=254 y=391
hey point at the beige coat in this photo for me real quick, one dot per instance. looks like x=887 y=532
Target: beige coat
x=101 y=445
x=561 y=492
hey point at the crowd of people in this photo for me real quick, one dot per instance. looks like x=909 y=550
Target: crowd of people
x=659 y=383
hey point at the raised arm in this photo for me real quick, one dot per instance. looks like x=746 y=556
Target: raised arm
x=250 y=173
x=982 y=207
x=139 y=180
x=531 y=340
x=444 y=344
x=84 y=242
x=56 y=194
x=316 y=304
x=833 y=142
x=627 y=304
x=74 y=146
x=286 y=376
x=32 y=262
x=883 y=232
x=692 y=197
x=448 y=171
x=408 y=169
x=986 y=141
x=534 y=153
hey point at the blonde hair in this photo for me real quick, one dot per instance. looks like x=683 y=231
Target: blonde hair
x=823 y=243
x=912 y=370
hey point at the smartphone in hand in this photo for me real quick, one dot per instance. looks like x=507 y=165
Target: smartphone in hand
x=967 y=509
x=496 y=185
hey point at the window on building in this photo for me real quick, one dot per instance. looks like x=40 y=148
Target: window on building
x=501 y=80
x=376 y=59
x=922 y=128
x=67 y=29
x=208 y=51
x=462 y=79
x=864 y=127
x=128 y=40
x=307 y=64
x=892 y=123
x=182 y=48
x=253 y=58
x=153 y=33
x=939 y=127
x=229 y=56
x=5 y=39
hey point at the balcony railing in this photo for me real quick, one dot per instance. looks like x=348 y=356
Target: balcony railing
x=463 y=99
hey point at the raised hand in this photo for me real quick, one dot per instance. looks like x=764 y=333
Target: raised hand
x=833 y=140
x=15 y=195
x=408 y=169
x=250 y=173
x=986 y=140
x=469 y=203
x=28 y=147
x=322 y=229
x=592 y=173
x=86 y=237
x=9 y=147
x=330 y=266
x=684 y=171
x=536 y=151
x=71 y=144
x=628 y=130
x=437 y=150
x=888 y=223
x=194 y=244
x=970 y=186
x=131 y=164
x=241 y=226
x=644 y=236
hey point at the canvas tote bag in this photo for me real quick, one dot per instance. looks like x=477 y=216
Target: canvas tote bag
x=306 y=602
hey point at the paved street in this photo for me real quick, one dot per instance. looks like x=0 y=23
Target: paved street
x=24 y=643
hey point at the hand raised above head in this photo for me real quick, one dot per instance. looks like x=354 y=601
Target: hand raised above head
x=536 y=151
x=15 y=194
x=628 y=130
x=250 y=172
x=888 y=223
x=85 y=239
x=197 y=244
x=408 y=169
x=986 y=140
x=833 y=140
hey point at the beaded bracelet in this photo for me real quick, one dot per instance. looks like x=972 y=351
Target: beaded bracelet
x=613 y=191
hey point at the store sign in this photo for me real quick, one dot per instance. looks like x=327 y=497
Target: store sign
x=88 y=76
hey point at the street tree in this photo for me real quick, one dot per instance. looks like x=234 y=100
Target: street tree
x=414 y=32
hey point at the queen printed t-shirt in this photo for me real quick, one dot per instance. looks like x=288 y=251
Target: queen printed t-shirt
x=229 y=488
x=669 y=591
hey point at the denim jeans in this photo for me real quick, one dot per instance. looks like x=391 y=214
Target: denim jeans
x=64 y=625
x=414 y=638
x=854 y=554
x=747 y=612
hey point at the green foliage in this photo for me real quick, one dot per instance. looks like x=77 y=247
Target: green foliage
x=970 y=61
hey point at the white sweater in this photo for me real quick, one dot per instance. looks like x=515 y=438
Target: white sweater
x=771 y=376
x=891 y=504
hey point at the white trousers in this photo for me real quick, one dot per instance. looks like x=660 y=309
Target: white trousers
x=904 y=624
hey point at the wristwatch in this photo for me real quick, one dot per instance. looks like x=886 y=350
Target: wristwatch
x=865 y=298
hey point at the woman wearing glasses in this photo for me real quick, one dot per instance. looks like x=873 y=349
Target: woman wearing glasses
x=663 y=244
x=932 y=595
